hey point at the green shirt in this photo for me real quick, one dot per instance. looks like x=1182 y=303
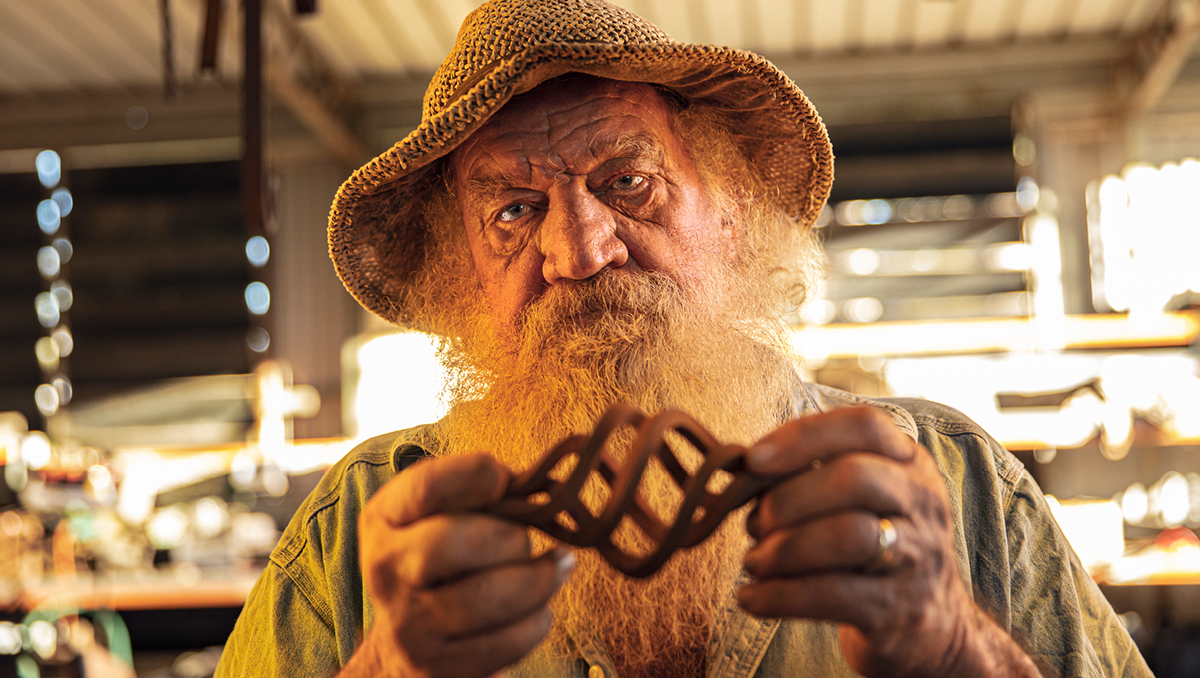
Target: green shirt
x=308 y=608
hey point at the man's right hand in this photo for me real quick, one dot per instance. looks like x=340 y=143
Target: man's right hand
x=456 y=592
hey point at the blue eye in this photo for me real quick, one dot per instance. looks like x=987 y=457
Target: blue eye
x=514 y=212
x=627 y=182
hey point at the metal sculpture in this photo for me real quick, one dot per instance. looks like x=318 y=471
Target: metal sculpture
x=535 y=498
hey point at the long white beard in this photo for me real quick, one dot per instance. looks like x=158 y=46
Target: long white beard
x=632 y=338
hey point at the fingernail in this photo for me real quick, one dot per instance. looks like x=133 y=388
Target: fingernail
x=762 y=454
x=566 y=563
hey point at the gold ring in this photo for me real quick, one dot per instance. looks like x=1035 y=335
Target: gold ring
x=888 y=537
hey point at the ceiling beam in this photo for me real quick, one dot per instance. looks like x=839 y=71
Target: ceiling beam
x=205 y=111
x=312 y=112
x=299 y=76
x=921 y=83
x=1170 y=44
x=930 y=83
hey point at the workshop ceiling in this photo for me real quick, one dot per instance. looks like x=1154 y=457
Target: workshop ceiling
x=105 y=45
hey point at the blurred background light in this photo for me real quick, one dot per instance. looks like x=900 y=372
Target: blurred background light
x=877 y=212
x=243 y=469
x=63 y=340
x=1173 y=499
x=48 y=216
x=61 y=291
x=274 y=480
x=136 y=117
x=862 y=261
x=863 y=309
x=958 y=207
x=850 y=212
x=1135 y=503
x=1024 y=150
x=44 y=638
x=10 y=637
x=211 y=516
x=46 y=307
x=396 y=382
x=64 y=249
x=925 y=260
x=46 y=399
x=1144 y=231
x=1027 y=193
x=258 y=298
x=11 y=524
x=1045 y=455
x=167 y=527
x=1049 y=305
x=49 y=262
x=62 y=386
x=258 y=251
x=62 y=197
x=258 y=339
x=910 y=209
x=36 y=450
x=47 y=354
x=49 y=168
x=1004 y=205
x=99 y=478
x=1009 y=256
x=930 y=208
x=818 y=311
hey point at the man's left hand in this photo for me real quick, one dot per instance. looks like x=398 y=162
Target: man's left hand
x=904 y=610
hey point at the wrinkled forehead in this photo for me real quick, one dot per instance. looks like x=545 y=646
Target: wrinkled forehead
x=561 y=92
x=579 y=112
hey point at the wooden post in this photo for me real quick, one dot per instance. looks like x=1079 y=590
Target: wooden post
x=253 y=121
x=254 y=180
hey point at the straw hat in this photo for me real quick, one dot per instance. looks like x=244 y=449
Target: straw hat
x=377 y=232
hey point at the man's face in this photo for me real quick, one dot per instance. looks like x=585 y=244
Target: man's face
x=579 y=176
x=586 y=179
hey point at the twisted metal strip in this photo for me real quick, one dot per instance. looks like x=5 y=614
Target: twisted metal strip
x=699 y=513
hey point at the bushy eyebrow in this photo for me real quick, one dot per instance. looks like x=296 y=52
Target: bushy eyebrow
x=489 y=183
x=637 y=146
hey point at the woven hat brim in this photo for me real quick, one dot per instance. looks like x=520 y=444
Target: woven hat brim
x=377 y=236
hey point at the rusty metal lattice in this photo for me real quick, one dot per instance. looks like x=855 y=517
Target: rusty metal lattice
x=535 y=498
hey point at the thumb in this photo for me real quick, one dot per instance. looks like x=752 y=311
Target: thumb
x=442 y=485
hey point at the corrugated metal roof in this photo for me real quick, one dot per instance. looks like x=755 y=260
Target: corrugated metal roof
x=89 y=45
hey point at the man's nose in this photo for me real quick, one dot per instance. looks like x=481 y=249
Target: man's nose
x=579 y=235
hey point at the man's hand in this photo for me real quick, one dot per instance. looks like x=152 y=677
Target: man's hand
x=819 y=544
x=456 y=593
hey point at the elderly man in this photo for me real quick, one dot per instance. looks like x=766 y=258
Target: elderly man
x=593 y=213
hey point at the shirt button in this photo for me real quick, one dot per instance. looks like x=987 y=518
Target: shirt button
x=596 y=671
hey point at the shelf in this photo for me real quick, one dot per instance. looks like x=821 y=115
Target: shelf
x=1164 y=579
x=158 y=591
x=1145 y=434
x=995 y=335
